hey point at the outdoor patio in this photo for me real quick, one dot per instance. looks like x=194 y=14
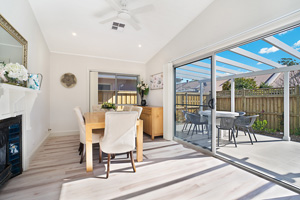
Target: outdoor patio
x=269 y=155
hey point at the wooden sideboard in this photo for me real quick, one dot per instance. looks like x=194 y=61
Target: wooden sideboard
x=153 y=120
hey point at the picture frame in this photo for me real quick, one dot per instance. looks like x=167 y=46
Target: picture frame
x=156 y=81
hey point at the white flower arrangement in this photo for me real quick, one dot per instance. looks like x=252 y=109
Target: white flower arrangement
x=143 y=88
x=13 y=73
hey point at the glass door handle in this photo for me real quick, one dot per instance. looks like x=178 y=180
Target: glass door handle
x=211 y=104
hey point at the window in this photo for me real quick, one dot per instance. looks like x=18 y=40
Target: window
x=119 y=89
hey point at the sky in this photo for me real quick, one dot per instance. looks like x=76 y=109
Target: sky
x=262 y=48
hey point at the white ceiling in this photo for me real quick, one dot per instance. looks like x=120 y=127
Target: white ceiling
x=58 y=19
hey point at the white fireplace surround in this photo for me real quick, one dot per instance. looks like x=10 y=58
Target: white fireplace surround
x=14 y=101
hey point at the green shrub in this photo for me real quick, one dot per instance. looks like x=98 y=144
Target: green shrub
x=296 y=131
x=260 y=125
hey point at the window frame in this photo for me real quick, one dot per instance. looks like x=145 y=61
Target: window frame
x=116 y=83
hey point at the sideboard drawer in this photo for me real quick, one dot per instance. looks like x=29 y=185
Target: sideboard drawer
x=147 y=111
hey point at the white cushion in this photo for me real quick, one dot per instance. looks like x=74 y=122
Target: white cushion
x=96 y=108
x=127 y=108
x=138 y=109
x=120 y=131
x=95 y=137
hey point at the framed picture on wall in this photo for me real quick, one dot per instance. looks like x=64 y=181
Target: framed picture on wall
x=156 y=81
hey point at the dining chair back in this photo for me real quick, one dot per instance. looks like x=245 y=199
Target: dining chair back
x=196 y=119
x=81 y=125
x=245 y=123
x=127 y=108
x=137 y=109
x=241 y=113
x=227 y=123
x=97 y=108
x=119 y=135
x=186 y=122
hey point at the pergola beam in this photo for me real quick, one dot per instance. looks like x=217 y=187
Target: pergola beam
x=284 y=47
x=256 y=57
x=195 y=69
x=192 y=73
x=262 y=72
x=236 y=64
x=178 y=75
x=221 y=69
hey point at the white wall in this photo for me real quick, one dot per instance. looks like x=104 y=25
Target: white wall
x=19 y=14
x=214 y=28
x=63 y=100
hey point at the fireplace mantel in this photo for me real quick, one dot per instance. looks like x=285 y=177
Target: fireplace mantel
x=16 y=100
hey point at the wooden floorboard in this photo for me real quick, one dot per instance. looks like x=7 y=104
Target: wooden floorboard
x=169 y=171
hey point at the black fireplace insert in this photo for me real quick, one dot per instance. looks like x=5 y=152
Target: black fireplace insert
x=10 y=148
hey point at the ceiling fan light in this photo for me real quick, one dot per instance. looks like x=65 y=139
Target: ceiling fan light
x=124 y=15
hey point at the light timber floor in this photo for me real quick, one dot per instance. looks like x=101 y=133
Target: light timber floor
x=169 y=171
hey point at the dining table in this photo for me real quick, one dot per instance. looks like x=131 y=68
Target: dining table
x=219 y=114
x=96 y=120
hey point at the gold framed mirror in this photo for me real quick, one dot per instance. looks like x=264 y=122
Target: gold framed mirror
x=13 y=46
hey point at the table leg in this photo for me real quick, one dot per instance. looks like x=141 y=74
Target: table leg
x=89 y=149
x=139 y=142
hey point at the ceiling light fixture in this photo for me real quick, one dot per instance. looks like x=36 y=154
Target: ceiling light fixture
x=74 y=34
x=140 y=45
x=123 y=14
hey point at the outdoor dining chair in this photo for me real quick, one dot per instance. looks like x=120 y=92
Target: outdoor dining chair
x=184 y=112
x=227 y=123
x=197 y=120
x=245 y=123
x=241 y=113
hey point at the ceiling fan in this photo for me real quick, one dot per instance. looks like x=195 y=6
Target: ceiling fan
x=125 y=14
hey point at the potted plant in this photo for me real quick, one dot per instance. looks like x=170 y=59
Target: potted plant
x=108 y=106
x=143 y=89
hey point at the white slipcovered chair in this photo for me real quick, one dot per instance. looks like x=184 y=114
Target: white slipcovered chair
x=127 y=108
x=119 y=135
x=138 y=109
x=97 y=108
x=95 y=135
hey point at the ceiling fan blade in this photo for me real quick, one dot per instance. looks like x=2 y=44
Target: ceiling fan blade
x=134 y=19
x=108 y=19
x=114 y=5
x=142 y=9
x=134 y=24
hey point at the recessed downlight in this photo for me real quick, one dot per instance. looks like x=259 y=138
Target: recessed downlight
x=74 y=34
x=139 y=45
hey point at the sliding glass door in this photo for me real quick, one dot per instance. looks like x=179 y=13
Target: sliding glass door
x=194 y=103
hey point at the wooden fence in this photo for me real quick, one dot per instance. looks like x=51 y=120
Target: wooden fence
x=267 y=103
x=124 y=97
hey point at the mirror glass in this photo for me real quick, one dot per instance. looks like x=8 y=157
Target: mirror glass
x=11 y=51
x=13 y=47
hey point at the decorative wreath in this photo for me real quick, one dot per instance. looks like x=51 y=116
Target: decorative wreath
x=68 y=80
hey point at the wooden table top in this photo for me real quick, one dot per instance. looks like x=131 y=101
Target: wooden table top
x=93 y=118
x=97 y=119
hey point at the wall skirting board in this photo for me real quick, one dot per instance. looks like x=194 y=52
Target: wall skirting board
x=64 y=133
